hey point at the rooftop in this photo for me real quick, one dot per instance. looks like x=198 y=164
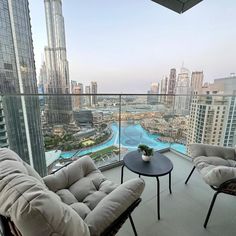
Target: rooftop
x=182 y=213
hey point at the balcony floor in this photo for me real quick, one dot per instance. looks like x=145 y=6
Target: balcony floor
x=182 y=213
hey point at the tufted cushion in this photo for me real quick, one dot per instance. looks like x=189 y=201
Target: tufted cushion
x=77 y=200
x=215 y=170
x=87 y=190
x=198 y=149
x=112 y=206
x=31 y=206
x=95 y=199
x=12 y=163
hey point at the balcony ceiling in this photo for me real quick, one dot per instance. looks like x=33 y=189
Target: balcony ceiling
x=178 y=6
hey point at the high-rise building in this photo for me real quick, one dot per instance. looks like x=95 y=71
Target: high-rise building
x=59 y=107
x=88 y=96
x=197 y=82
x=164 y=89
x=228 y=86
x=154 y=89
x=43 y=83
x=171 y=87
x=17 y=75
x=94 y=90
x=77 y=99
x=207 y=119
x=183 y=92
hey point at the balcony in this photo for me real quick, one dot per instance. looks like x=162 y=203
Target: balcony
x=182 y=213
x=114 y=125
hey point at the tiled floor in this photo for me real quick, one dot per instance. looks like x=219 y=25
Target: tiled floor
x=183 y=212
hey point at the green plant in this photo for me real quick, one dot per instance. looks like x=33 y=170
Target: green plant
x=147 y=151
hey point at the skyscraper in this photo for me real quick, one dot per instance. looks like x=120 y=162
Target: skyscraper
x=171 y=87
x=183 y=91
x=59 y=107
x=17 y=75
x=77 y=100
x=43 y=83
x=164 y=89
x=197 y=82
x=88 y=96
x=151 y=99
x=207 y=118
x=94 y=90
x=228 y=86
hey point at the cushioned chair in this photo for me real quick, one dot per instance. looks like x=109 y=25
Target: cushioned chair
x=217 y=166
x=75 y=201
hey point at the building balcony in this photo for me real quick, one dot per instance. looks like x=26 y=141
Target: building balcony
x=125 y=121
x=184 y=211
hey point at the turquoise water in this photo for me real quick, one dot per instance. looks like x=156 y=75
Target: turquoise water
x=131 y=137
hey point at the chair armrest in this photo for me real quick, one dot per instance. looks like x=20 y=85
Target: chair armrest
x=69 y=174
x=113 y=205
x=198 y=149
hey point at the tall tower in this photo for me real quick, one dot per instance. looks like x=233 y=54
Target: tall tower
x=164 y=89
x=59 y=107
x=94 y=90
x=17 y=75
x=197 y=82
x=88 y=96
x=151 y=99
x=182 y=91
x=171 y=87
x=77 y=99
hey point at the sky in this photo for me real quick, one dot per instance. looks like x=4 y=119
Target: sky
x=126 y=45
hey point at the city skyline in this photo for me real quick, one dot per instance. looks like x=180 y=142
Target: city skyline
x=116 y=51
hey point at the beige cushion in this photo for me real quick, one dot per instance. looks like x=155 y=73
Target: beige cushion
x=215 y=170
x=113 y=205
x=96 y=200
x=77 y=201
x=88 y=187
x=34 y=209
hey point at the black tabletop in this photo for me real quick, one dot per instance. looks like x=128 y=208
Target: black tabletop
x=159 y=164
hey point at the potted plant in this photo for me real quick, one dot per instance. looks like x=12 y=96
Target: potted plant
x=147 y=152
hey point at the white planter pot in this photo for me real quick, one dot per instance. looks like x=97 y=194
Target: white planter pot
x=146 y=158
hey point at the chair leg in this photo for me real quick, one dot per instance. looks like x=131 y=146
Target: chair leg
x=210 y=209
x=190 y=175
x=133 y=226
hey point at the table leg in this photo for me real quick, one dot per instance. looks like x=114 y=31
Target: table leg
x=122 y=174
x=170 y=183
x=158 y=198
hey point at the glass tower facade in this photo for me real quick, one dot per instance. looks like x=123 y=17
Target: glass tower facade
x=17 y=76
x=59 y=108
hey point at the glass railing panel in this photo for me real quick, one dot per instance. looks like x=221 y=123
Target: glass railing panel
x=145 y=119
x=48 y=131
x=92 y=129
x=180 y=123
x=212 y=120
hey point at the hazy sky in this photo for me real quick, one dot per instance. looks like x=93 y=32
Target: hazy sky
x=127 y=44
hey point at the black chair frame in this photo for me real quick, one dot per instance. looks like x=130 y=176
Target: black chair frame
x=228 y=187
